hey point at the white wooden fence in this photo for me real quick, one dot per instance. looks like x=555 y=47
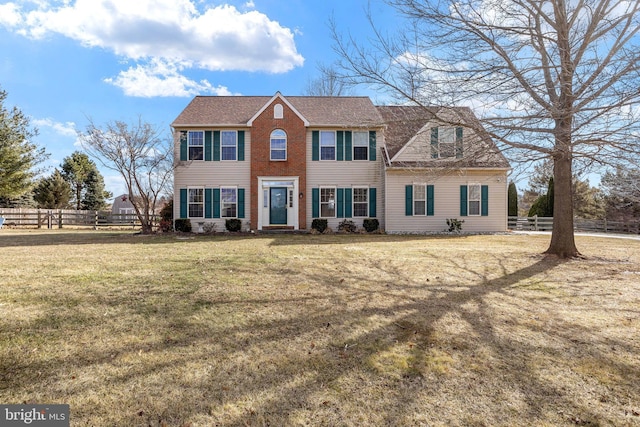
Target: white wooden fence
x=59 y=218
x=537 y=223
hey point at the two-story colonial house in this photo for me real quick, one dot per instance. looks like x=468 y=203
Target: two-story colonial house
x=279 y=162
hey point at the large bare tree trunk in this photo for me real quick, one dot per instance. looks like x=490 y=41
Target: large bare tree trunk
x=562 y=243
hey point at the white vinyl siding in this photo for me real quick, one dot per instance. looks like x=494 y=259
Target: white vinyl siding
x=446 y=201
x=215 y=175
x=345 y=174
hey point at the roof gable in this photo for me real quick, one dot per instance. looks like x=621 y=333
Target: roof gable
x=408 y=137
x=278 y=95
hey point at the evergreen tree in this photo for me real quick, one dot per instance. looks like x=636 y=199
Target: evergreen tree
x=52 y=192
x=85 y=180
x=95 y=194
x=18 y=155
x=512 y=200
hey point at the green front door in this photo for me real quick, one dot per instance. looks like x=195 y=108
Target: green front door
x=278 y=206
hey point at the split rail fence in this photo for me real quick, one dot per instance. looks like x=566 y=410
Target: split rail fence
x=60 y=218
x=536 y=223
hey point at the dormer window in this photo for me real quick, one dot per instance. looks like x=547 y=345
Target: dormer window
x=278 y=145
x=446 y=142
x=278 y=112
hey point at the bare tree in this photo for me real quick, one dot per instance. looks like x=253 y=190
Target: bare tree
x=329 y=83
x=141 y=155
x=551 y=79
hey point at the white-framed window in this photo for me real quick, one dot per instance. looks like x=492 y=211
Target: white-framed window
x=195 y=142
x=229 y=145
x=419 y=199
x=446 y=142
x=278 y=145
x=228 y=202
x=278 y=111
x=360 y=201
x=474 y=199
x=327 y=145
x=196 y=202
x=328 y=202
x=360 y=145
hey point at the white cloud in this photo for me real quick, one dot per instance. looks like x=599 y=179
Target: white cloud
x=219 y=38
x=161 y=78
x=10 y=15
x=63 y=129
x=171 y=32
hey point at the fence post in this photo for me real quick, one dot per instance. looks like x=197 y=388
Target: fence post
x=535 y=224
x=95 y=221
x=59 y=218
x=605 y=225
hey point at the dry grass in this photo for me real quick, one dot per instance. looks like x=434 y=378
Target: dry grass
x=320 y=330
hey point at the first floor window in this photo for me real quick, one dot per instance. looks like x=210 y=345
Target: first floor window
x=474 y=199
x=229 y=145
x=360 y=146
x=360 y=202
x=228 y=202
x=278 y=145
x=196 y=203
x=327 y=145
x=328 y=202
x=195 y=142
x=419 y=199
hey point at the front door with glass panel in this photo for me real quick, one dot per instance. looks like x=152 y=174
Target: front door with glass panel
x=278 y=206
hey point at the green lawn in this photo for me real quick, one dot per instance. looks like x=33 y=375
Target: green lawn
x=320 y=330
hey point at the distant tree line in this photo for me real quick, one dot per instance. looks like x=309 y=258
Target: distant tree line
x=617 y=198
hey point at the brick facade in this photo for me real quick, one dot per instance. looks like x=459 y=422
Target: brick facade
x=294 y=166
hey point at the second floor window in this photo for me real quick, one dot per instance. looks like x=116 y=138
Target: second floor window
x=278 y=145
x=229 y=145
x=196 y=145
x=327 y=145
x=360 y=146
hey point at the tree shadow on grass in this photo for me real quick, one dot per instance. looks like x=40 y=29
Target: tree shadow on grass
x=333 y=356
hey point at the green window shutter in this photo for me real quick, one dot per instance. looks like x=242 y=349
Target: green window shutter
x=241 y=146
x=183 y=203
x=430 y=200
x=216 y=203
x=183 y=146
x=208 y=195
x=240 y=202
x=408 y=200
x=463 y=200
x=315 y=202
x=484 y=200
x=207 y=146
x=372 y=145
x=459 y=146
x=340 y=145
x=434 y=143
x=372 y=202
x=216 y=145
x=348 y=146
x=315 y=145
x=348 y=200
x=340 y=203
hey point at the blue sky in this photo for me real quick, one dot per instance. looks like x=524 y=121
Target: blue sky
x=64 y=61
